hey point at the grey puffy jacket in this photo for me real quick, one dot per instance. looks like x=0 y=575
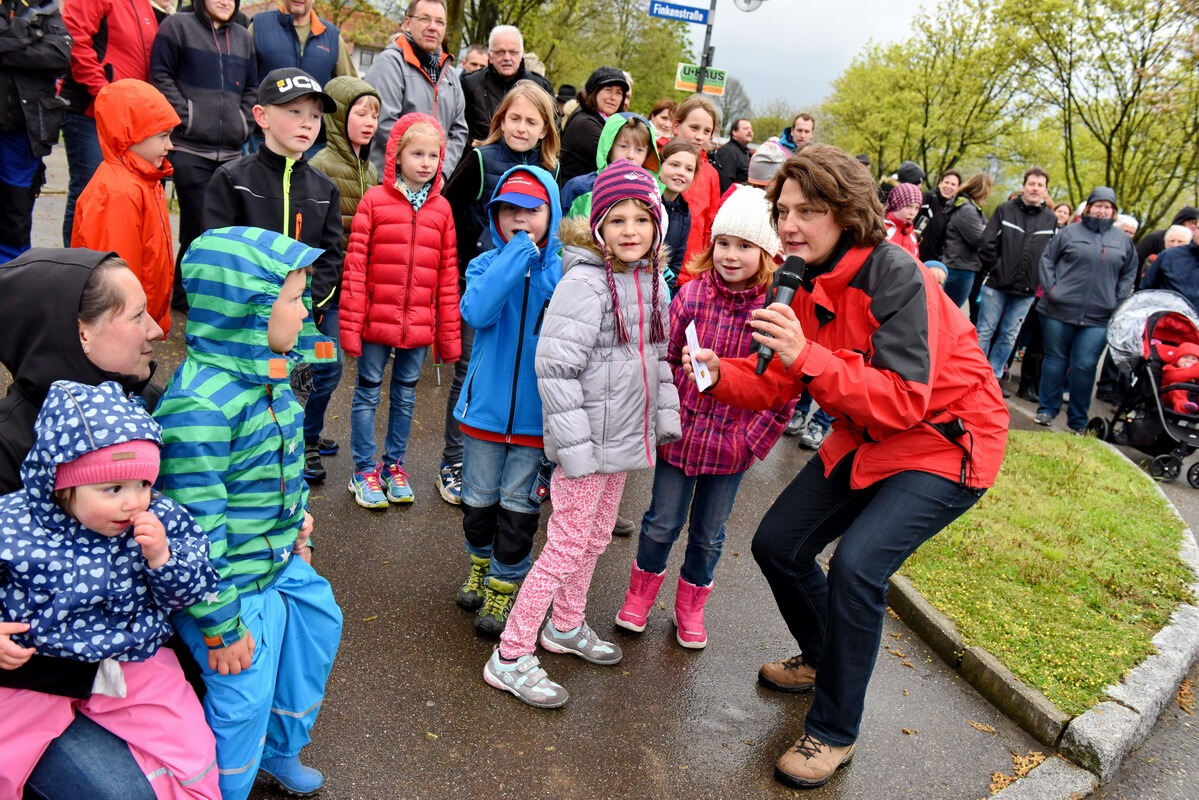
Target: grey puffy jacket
x=606 y=406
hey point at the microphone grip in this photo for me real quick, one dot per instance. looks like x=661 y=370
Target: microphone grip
x=784 y=295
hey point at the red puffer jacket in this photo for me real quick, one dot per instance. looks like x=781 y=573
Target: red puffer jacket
x=400 y=282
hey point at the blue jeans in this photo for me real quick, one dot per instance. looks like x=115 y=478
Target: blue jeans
x=496 y=473
x=820 y=418
x=1073 y=347
x=710 y=501
x=83 y=156
x=88 y=761
x=837 y=620
x=325 y=378
x=958 y=285
x=405 y=372
x=1000 y=316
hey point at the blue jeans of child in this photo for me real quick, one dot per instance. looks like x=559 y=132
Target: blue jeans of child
x=505 y=474
x=83 y=156
x=709 y=498
x=405 y=372
x=820 y=418
x=1073 y=347
x=958 y=285
x=837 y=620
x=325 y=378
x=88 y=761
x=1000 y=316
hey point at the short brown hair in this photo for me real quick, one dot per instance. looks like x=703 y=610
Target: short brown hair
x=1028 y=173
x=684 y=109
x=411 y=10
x=833 y=179
x=678 y=146
x=949 y=172
x=978 y=188
x=100 y=296
x=665 y=104
x=804 y=115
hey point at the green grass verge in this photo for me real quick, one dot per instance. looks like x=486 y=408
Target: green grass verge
x=1064 y=570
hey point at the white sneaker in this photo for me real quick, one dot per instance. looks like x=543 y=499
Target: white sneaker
x=526 y=679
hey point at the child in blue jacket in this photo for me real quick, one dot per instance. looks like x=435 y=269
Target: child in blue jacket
x=503 y=482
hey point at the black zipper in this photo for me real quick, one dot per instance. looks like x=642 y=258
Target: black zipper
x=520 y=346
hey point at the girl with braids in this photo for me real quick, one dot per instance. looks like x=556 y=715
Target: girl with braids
x=609 y=400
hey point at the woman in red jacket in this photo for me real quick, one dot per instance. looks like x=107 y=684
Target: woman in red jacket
x=918 y=435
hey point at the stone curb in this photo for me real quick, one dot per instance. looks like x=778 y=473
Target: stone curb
x=1101 y=737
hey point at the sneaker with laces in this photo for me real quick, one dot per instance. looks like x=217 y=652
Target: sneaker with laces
x=813 y=437
x=449 y=483
x=470 y=593
x=368 y=489
x=1043 y=418
x=582 y=642
x=795 y=425
x=526 y=679
x=498 y=598
x=327 y=447
x=314 y=470
x=810 y=762
x=395 y=484
x=789 y=675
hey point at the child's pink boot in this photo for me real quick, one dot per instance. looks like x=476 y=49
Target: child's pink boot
x=643 y=590
x=689 y=602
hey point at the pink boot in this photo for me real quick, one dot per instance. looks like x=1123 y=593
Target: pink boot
x=643 y=590
x=689 y=602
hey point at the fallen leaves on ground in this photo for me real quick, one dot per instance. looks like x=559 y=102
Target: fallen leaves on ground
x=1186 y=696
x=1021 y=766
x=981 y=726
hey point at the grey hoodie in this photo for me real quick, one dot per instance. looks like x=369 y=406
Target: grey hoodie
x=607 y=406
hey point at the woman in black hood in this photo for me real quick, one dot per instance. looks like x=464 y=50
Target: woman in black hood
x=70 y=315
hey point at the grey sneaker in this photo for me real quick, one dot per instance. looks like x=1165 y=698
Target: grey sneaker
x=526 y=679
x=582 y=642
x=796 y=424
x=812 y=438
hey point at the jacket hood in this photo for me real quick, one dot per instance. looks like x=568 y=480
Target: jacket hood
x=127 y=112
x=608 y=137
x=77 y=419
x=552 y=244
x=1185 y=215
x=393 y=150
x=346 y=90
x=232 y=277
x=1100 y=193
x=39 y=303
x=200 y=7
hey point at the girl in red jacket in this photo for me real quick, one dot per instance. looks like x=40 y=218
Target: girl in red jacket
x=694 y=122
x=399 y=293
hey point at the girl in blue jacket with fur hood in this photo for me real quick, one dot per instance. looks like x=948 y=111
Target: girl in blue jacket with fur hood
x=503 y=480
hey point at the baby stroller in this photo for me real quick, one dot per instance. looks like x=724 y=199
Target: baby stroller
x=1143 y=331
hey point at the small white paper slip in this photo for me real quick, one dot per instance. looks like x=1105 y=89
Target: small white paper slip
x=703 y=378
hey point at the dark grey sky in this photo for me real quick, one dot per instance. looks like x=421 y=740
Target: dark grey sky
x=793 y=49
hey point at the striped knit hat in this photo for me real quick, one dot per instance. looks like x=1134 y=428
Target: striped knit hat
x=618 y=182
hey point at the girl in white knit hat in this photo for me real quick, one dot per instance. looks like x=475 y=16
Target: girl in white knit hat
x=698 y=476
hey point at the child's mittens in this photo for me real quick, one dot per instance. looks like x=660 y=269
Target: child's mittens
x=152 y=538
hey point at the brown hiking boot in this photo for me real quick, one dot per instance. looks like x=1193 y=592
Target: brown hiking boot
x=811 y=762
x=789 y=675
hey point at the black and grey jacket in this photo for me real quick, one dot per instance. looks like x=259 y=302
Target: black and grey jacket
x=1012 y=244
x=35 y=51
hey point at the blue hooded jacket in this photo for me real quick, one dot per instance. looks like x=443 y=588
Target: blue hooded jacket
x=86 y=596
x=507 y=291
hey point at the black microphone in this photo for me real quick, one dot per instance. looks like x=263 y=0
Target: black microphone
x=786 y=282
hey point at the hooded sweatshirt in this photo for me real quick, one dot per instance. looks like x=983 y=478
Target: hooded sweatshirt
x=123 y=208
x=400 y=286
x=210 y=76
x=87 y=596
x=39 y=303
x=576 y=194
x=508 y=292
x=233 y=444
x=351 y=172
x=607 y=405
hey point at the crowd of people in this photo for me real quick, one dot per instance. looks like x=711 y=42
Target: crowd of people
x=602 y=282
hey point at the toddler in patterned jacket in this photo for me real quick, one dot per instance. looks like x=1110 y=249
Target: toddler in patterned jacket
x=92 y=562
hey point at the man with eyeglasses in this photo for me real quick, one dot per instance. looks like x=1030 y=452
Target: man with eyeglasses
x=486 y=88
x=413 y=73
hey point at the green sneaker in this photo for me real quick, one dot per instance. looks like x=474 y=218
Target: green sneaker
x=470 y=593
x=497 y=605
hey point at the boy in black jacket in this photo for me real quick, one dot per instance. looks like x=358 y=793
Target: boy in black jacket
x=276 y=189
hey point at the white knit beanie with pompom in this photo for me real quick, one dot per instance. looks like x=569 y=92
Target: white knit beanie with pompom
x=746 y=213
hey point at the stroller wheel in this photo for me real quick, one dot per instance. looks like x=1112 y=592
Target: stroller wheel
x=1100 y=428
x=1166 y=468
x=1193 y=476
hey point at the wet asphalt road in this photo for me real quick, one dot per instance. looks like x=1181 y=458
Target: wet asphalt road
x=408 y=716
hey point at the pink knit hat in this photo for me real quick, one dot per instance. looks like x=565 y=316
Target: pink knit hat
x=902 y=196
x=135 y=460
